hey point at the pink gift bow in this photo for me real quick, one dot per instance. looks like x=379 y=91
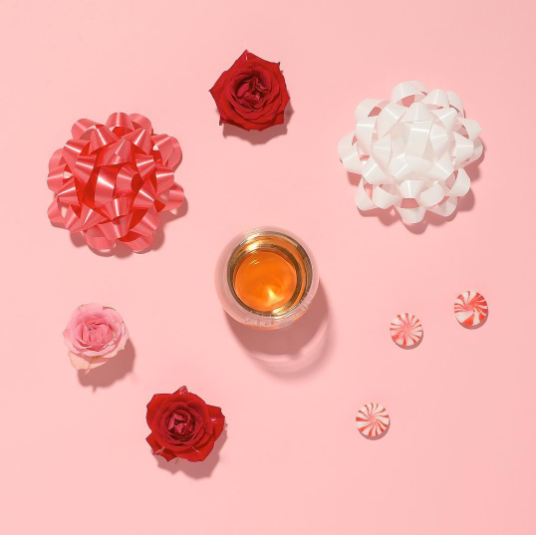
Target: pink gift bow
x=111 y=181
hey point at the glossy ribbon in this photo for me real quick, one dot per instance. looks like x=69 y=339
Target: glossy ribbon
x=411 y=151
x=111 y=181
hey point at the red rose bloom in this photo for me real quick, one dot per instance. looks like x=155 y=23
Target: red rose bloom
x=183 y=425
x=252 y=94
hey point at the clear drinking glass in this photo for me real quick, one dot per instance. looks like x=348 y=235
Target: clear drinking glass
x=266 y=278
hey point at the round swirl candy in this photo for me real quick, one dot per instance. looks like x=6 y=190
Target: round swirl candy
x=406 y=330
x=112 y=180
x=411 y=151
x=372 y=420
x=471 y=309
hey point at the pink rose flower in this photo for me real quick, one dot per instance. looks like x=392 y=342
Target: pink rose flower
x=94 y=335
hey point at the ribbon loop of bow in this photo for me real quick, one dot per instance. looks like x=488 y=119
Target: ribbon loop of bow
x=411 y=151
x=112 y=180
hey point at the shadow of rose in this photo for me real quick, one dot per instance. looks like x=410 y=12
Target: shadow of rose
x=294 y=350
x=120 y=366
x=195 y=470
x=259 y=138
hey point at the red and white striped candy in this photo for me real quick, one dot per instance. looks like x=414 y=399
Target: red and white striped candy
x=372 y=420
x=471 y=309
x=406 y=330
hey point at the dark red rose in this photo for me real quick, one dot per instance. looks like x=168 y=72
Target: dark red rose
x=252 y=94
x=183 y=425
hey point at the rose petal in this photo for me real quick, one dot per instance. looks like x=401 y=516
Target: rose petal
x=159 y=450
x=246 y=112
x=200 y=453
x=218 y=419
x=95 y=331
x=154 y=406
x=87 y=364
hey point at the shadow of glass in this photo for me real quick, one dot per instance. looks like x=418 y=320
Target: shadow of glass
x=195 y=470
x=294 y=350
x=104 y=376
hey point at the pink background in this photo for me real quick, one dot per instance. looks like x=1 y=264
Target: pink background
x=459 y=458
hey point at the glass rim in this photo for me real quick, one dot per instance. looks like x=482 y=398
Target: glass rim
x=233 y=265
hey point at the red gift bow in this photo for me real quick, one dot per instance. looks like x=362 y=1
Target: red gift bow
x=110 y=181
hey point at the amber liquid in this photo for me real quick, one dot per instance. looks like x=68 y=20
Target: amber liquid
x=265 y=281
x=269 y=273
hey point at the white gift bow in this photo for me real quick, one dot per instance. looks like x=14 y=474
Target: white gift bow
x=413 y=146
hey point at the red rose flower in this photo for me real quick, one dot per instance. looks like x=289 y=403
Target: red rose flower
x=183 y=425
x=252 y=94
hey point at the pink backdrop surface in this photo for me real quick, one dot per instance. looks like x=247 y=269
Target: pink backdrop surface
x=459 y=457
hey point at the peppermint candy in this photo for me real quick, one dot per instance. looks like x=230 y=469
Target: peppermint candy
x=406 y=330
x=471 y=309
x=372 y=420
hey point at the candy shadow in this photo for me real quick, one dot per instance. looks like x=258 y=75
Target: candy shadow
x=259 y=138
x=104 y=376
x=465 y=204
x=195 y=470
x=373 y=439
x=122 y=251
x=292 y=351
x=414 y=346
